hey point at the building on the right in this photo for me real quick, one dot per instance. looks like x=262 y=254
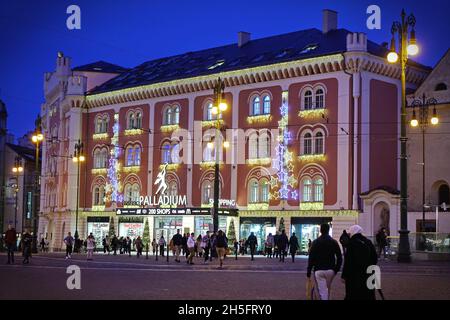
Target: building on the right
x=428 y=149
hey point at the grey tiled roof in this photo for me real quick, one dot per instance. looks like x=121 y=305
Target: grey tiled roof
x=101 y=66
x=281 y=48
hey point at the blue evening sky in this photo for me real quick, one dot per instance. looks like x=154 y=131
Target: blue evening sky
x=130 y=32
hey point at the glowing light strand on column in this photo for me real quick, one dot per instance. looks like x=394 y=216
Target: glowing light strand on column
x=114 y=187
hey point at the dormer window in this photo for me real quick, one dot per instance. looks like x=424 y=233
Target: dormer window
x=440 y=87
x=309 y=48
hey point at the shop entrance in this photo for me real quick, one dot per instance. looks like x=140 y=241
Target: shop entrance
x=167 y=227
x=307 y=229
x=261 y=227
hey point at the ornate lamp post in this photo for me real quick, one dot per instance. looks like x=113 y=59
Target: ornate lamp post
x=78 y=157
x=422 y=106
x=219 y=105
x=17 y=169
x=410 y=47
x=37 y=138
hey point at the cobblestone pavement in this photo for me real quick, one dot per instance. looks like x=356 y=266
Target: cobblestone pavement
x=123 y=277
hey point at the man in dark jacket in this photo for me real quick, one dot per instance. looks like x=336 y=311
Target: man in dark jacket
x=276 y=238
x=325 y=261
x=283 y=242
x=177 y=241
x=10 y=241
x=360 y=255
x=293 y=245
x=344 y=240
x=27 y=239
x=252 y=242
x=382 y=243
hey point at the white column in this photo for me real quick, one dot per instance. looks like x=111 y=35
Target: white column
x=190 y=150
x=356 y=95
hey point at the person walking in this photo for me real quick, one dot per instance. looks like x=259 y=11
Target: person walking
x=221 y=246
x=10 y=241
x=191 y=248
x=344 y=239
x=269 y=245
x=177 y=241
x=213 y=244
x=198 y=246
x=293 y=246
x=154 y=247
x=381 y=239
x=252 y=242
x=69 y=240
x=42 y=243
x=27 y=239
x=325 y=260
x=283 y=242
x=309 y=246
x=128 y=246
x=114 y=244
x=236 y=249
x=206 y=244
x=162 y=244
x=90 y=246
x=138 y=244
x=184 y=245
x=276 y=239
x=360 y=254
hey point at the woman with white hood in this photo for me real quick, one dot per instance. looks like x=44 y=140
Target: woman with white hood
x=360 y=254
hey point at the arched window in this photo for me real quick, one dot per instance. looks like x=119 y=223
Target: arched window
x=99 y=125
x=264 y=184
x=138 y=120
x=176 y=115
x=96 y=196
x=320 y=104
x=256 y=110
x=166 y=157
x=254 y=191
x=266 y=105
x=209 y=113
x=137 y=156
x=307 y=190
x=168 y=116
x=173 y=189
x=102 y=196
x=206 y=192
x=318 y=190
x=318 y=143
x=444 y=194
x=131 y=122
x=307 y=143
x=97 y=159
x=175 y=154
x=135 y=192
x=104 y=124
x=264 y=145
x=253 y=146
x=130 y=156
x=308 y=100
x=128 y=194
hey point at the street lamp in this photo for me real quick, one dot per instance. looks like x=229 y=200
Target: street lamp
x=78 y=157
x=17 y=168
x=401 y=29
x=37 y=139
x=422 y=105
x=219 y=106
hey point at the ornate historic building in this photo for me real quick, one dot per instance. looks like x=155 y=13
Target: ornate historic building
x=312 y=123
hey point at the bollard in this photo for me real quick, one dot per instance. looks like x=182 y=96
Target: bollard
x=156 y=253
x=146 y=251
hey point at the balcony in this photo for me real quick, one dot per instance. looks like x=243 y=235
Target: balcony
x=263 y=118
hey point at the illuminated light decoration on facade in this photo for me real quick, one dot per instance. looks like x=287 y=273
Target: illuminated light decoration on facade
x=263 y=118
x=259 y=161
x=133 y=132
x=98 y=208
x=211 y=123
x=99 y=136
x=99 y=171
x=311 y=205
x=169 y=128
x=294 y=195
x=170 y=166
x=209 y=164
x=286 y=214
x=312 y=157
x=258 y=206
x=283 y=161
x=312 y=114
x=129 y=169
x=114 y=187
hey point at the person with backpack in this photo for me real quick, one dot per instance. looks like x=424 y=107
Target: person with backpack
x=252 y=243
x=325 y=260
x=360 y=254
x=221 y=246
x=293 y=245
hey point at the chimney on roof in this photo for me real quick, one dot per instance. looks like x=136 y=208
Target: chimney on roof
x=329 y=20
x=243 y=38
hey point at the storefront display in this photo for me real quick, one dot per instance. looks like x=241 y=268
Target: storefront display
x=307 y=229
x=131 y=227
x=99 y=227
x=204 y=224
x=167 y=226
x=261 y=227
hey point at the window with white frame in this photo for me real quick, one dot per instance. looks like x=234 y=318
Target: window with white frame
x=96 y=200
x=138 y=120
x=256 y=106
x=133 y=155
x=171 y=115
x=308 y=100
x=172 y=190
x=209 y=115
x=131 y=121
x=264 y=191
x=319 y=99
x=318 y=189
x=101 y=124
x=318 y=143
x=307 y=190
x=307 y=143
x=100 y=158
x=165 y=154
x=264 y=145
x=207 y=192
x=266 y=104
x=253 y=146
x=176 y=114
x=254 y=191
